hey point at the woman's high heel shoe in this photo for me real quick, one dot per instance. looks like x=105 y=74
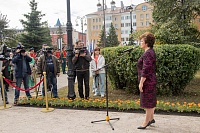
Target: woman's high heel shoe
x=140 y=127
x=152 y=121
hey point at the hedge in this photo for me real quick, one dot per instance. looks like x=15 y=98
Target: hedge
x=176 y=67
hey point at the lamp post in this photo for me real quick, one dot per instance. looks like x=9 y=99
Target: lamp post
x=131 y=10
x=81 y=18
x=70 y=72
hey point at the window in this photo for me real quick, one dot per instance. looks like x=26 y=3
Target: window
x=122 y=32
x=134 y=16
x=144 y=8
x=108 y=18
x=99 y=26
x=134 y=23
x=99 y=19
x=127 y=17
x=122 y=24
x=141 y=16
x=115 y=19
x=127 y=39
x=147 y=16
x=122 y=39
x=147 y=23
x=96 y=19
x=141 y=23
x=126 y=32
x=96 y=26
x=93 y=27
x=127 y=24
x=93 y=20
x=116 y=26
x=122 y=17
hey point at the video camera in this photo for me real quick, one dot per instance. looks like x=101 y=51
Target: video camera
x=4 y=49
x=80 y=50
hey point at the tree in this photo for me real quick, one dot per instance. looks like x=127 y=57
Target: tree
x=101 y=36
x=36 y=32
x=112 y=39
x=3 y=24
x=173 y=20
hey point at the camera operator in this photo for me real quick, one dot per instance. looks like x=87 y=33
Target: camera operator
x=22 y=70
x=81 y=60
x=49 y=63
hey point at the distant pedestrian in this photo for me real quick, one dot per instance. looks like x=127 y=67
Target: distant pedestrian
x=147 y=78
x=63 y=59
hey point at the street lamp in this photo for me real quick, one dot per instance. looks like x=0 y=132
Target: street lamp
x=131 y=10
x=70 y=72
x=81 y=18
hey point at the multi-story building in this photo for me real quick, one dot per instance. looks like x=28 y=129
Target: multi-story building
x=54 y=32
x=144 y=16
x=121 y=18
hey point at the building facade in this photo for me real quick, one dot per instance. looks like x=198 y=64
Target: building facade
x=121 y=17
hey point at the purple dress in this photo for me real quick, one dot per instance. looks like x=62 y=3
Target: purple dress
x=146 y=68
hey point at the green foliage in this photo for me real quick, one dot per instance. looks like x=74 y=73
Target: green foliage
x=36 y=32
x=101 y=40
x=176 y=67
x=11 y=37
x=173 y=21
x=112 y=39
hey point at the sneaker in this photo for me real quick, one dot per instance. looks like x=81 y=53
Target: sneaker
x=56 y=97
x=96 y=94
x=102 y=96
x=7 y=102
x=15 y=103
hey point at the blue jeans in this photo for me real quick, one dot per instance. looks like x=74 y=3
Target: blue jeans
x=99 y=83
x=18 y=84
x=51 y=79
x=5 y=92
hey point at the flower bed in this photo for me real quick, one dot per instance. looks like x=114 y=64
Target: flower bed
x=117 y=105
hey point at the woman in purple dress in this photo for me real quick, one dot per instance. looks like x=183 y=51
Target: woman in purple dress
x=147 y=78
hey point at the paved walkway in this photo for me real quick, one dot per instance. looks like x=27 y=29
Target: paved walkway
x=32 y=120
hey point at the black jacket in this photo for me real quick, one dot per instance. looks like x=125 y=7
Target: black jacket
x=82 y=63
x=18 y=61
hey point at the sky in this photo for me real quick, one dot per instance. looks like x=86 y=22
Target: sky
x=54 y=9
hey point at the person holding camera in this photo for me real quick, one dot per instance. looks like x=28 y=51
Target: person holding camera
x=81 y=60
x=49 y=63
x=22 y=70
x=98 y=72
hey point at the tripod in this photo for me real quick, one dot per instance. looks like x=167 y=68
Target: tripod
x=107 y=115
x=106 y=67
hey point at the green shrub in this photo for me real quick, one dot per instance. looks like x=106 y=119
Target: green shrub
x=176 y=67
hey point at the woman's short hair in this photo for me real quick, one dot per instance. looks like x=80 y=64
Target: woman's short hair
x=149 y=39
x=97 y=49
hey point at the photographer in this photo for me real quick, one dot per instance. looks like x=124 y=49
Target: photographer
x=49 y=63
x=81 y=60
x=22 y=70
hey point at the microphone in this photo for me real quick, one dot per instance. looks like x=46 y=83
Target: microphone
x=130 y=49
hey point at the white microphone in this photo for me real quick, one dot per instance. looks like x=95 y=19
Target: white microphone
x=130 y=49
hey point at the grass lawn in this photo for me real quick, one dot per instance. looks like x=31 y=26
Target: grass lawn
x=190 y=94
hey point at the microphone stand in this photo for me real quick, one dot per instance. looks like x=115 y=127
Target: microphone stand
x=107 y=115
